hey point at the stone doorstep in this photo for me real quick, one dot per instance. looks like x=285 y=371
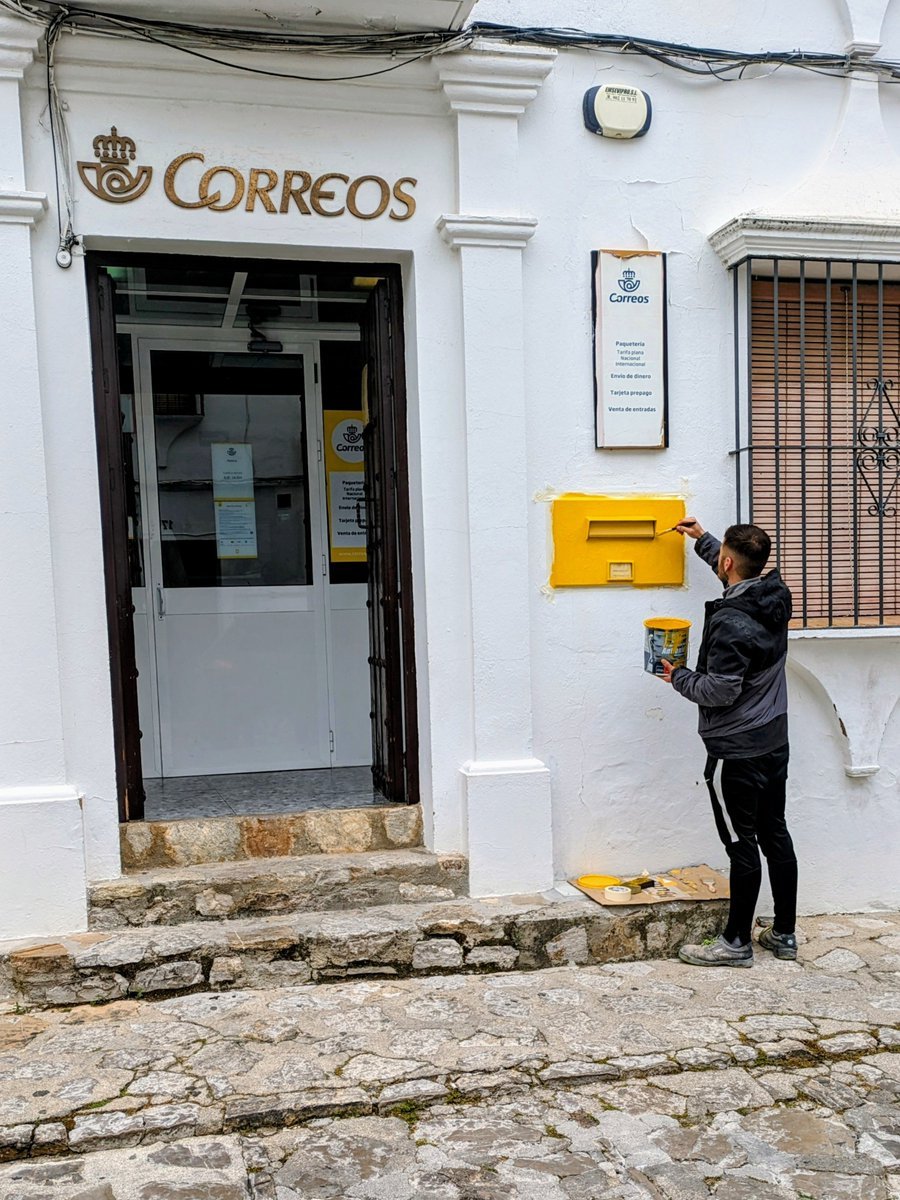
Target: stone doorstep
x=147 y=844
x=458 y=936
x=261 y=887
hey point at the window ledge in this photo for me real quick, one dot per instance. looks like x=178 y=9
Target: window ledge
x=751 y=236
x=851 y=633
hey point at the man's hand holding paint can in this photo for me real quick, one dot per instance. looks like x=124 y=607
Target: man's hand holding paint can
x=662 y=668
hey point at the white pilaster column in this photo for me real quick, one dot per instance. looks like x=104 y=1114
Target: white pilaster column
x=42 y=876
x=507 y=789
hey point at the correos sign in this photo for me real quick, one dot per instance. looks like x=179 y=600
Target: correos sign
x=223 y=187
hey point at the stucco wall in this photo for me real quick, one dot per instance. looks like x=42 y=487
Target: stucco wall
x=266 y=124
x=626 y=760
x=623 y=756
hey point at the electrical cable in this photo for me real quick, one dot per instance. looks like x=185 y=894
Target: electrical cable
x=404 y=48
x=413 y=46
x=61 y=160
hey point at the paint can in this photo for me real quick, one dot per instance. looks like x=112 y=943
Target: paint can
x=665 y=637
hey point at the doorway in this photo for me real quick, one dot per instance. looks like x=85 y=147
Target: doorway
x=251 y=438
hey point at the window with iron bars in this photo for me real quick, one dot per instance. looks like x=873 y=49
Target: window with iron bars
x=817 y=419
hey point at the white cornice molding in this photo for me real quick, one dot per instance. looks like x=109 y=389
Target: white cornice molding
x=508 y=233
x=495 y=78
x=93 y=65
x=22 y=208
x=805 y=237
x=862 y=49
x=18 y=42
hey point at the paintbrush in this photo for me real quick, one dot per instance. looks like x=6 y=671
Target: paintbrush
x=674 y=529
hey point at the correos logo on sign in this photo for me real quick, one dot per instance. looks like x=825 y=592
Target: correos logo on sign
x=223 y=187
x=347 y=441
x=629 y=285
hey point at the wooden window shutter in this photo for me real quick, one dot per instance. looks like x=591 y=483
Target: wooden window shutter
x=825 y=444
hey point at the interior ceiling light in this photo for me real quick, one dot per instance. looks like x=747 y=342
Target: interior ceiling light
x=259 y=343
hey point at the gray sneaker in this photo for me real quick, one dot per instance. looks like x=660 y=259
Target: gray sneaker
x=782 y=945
x=716 y=952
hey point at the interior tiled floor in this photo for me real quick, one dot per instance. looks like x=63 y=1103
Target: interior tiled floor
x=265 y=792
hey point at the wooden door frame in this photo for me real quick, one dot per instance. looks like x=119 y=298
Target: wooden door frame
x=114 y=528
x=111 y=470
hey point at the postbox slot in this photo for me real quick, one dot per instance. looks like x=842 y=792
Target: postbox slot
x=621 y=529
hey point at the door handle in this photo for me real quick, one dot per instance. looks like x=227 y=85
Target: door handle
x=360 y=523
x=160 y=601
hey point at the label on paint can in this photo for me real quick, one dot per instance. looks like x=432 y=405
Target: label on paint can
x=665 y=638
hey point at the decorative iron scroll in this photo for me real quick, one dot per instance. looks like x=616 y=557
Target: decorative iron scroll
x=878 y=448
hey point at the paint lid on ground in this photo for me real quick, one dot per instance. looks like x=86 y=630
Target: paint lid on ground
x=598 y=881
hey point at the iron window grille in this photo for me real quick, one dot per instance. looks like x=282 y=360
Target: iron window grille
x=817 y=430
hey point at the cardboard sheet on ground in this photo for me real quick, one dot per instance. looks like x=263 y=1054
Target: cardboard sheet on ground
x=688 y=883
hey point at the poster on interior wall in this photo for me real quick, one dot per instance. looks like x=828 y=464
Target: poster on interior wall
x=629 y=312
x=233 y=499
x=344 y=465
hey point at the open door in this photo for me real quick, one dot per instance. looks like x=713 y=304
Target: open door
x=395 y=756
x=115 y=517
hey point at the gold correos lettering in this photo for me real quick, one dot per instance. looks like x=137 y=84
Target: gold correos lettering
x=404 y=198
x=212 y=202
x=317 y=195
x=296 y=187
x=353 y=191
x=254 y=189
x=169 y=183
x=289 y=192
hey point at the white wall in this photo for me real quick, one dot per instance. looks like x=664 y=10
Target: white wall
x=253 y=122
x=624 y=759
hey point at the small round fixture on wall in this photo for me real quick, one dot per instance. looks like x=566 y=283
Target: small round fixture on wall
x=617 y=110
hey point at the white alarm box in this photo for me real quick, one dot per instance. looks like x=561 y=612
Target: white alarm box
x=617 y=110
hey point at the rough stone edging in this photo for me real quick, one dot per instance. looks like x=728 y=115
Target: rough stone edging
x=454 y=937
x=87 y=1132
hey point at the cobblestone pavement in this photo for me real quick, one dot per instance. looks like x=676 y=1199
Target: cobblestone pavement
x=630 y=1081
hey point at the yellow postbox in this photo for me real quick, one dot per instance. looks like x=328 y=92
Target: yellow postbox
x=601 y=541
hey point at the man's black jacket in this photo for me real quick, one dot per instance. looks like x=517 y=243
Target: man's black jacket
x=739 y=684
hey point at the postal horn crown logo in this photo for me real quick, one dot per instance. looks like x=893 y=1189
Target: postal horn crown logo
x=113 y=178
x=628 y=281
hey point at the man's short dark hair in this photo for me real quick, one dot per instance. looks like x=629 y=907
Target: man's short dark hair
x=750 y=548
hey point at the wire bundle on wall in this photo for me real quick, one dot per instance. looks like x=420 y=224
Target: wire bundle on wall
x=409 y=47
x=400 y=48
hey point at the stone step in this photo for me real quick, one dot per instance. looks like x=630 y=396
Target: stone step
x=147 y=844
x=261 y=887
x=454 y=936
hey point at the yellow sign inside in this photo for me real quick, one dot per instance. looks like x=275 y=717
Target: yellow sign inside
x=603 y=541
x=345 y=469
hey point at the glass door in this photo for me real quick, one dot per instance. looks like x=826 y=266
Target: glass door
x=235 y=584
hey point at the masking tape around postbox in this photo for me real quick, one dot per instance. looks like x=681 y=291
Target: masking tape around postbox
x=665 y=638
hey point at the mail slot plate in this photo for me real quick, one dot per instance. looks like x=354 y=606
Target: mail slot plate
x=617 y=541
x=621 y=529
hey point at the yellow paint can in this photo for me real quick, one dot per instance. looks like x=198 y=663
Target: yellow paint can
x=665 y=638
